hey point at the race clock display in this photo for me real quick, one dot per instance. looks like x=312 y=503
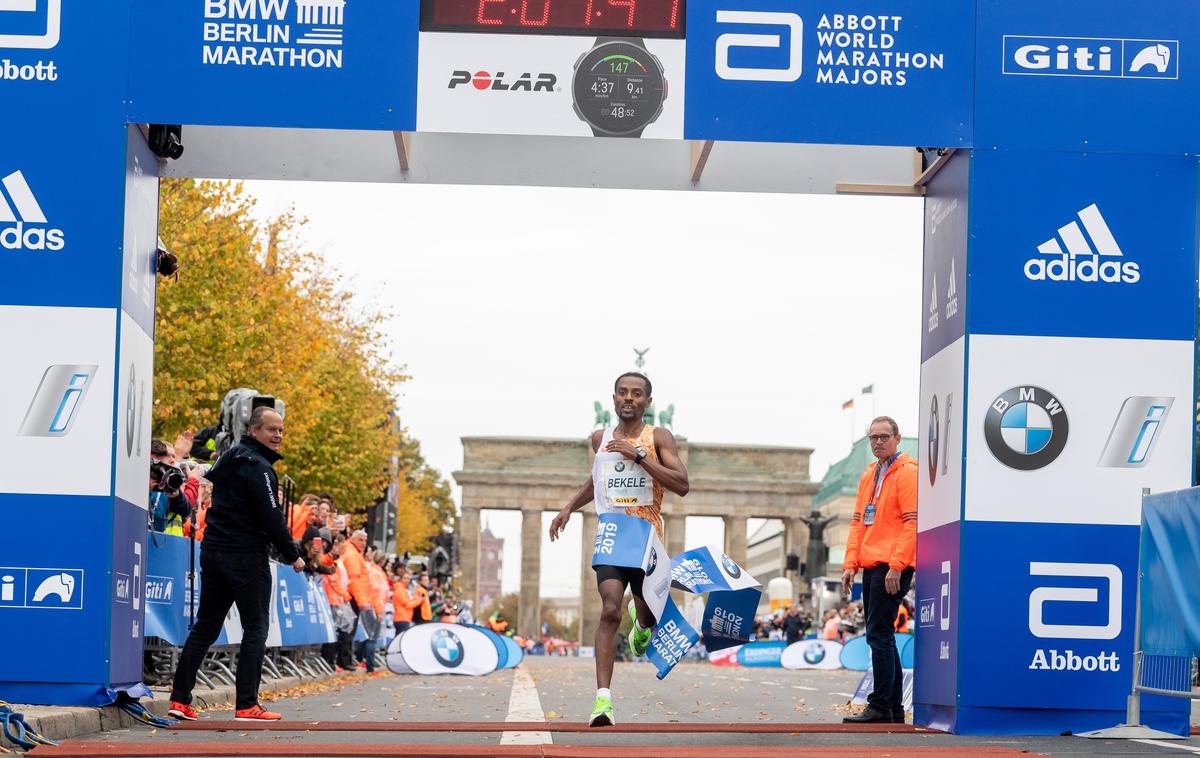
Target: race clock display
x=618 y=87
x=633 y=18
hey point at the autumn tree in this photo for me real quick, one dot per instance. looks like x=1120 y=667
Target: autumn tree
x=251 y=308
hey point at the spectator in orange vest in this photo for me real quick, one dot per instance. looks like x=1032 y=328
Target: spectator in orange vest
x=403 y=602
x=302 y=516
x=902 y=618
x=421 y=592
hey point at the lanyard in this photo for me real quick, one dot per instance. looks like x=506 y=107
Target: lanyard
x=881 y=472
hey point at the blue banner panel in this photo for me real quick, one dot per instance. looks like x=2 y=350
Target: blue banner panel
x=1049 y=614
x=673 y=637
x=937 y=650
x=1094 y=75
x=944 y=281
x=762 y=654
x=1073 y=245
x=55 y=603
x=876 y=72
x=128 y=620
x=1170 y=565
x=281 y=63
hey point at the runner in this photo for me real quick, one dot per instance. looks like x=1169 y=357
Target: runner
x=624 y=456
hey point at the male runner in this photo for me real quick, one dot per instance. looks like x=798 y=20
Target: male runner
x=634 y=449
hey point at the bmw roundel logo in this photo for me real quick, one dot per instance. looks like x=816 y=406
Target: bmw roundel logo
x=730 y=567
x=447 y=648
x=932 y=451
x=814 y=653
x=619 y=467
x=131 y=410
x=1026 y=428
x=653 y=563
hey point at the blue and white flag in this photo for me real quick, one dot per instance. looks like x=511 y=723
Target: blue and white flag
x=733 y=594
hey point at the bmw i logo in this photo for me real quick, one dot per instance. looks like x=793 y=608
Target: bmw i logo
x=619 y=466
x=447 y=648
x=730 y=567
x=653 y=564
x=1026 y=428
x=933 y=441
x=814 y=653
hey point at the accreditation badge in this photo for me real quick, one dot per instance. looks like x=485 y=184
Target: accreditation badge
x=627 y=484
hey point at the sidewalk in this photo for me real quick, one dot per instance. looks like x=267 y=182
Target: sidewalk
x=61 y=723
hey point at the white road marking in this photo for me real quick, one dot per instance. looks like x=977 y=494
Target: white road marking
x=1162 y=743
x=843 y=694
x=802 y=687
x=524 y=705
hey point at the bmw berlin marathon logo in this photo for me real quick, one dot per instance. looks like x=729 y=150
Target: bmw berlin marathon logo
x=730 y=567
x=1026 y=428
x=447 y=648
x=814 y=653
x=933 y=441
x=653 y=563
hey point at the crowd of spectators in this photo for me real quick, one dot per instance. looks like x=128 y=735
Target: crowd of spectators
x=838 y=624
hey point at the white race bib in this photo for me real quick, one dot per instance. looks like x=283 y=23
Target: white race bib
x=626 y=484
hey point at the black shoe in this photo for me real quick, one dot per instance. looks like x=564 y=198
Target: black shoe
x=870 y=716
x=898 y=718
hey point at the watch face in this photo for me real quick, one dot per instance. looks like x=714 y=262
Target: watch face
x=619 y=88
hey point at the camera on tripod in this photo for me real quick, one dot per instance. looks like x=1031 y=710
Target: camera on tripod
x=235 y=414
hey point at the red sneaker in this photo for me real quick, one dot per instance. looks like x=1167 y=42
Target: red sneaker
x=182 y=711
x=256 y=713
x=338 y=669
x=362 y=664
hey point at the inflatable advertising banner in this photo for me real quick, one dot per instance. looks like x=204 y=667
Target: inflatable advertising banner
x=762 y=654
x=725 y=657
x=813 y=654
x=444 y=649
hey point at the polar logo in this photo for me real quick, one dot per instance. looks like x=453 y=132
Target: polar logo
x=728 y=41
x=29 y=225
x=45 y=39
x=1042 y=595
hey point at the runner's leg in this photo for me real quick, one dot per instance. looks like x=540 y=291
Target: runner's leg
x=644 y=615
x=612 y=593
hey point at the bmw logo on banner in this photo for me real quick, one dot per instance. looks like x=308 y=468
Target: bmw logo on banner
x=447 y=648
x=1026 y=428
x=812 y=654
x=443 y=649
x=730 y=567
x=934 y=423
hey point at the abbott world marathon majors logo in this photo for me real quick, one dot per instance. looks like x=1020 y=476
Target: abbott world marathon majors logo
x=274 y=33
x=1026 y=428
x=29 y=25
x=447 y=648
x=23 y=224
x=1048 y=600
x=1083 y=250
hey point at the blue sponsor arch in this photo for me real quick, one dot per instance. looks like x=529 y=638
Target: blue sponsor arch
x=1064 y=225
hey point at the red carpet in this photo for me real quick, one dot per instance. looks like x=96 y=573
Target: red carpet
x=551 y=726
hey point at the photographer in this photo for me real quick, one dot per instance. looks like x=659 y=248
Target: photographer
x=243 y=523
x=173 y=494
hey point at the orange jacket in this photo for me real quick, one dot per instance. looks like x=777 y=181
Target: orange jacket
x=902 y=619
x=300 y=516
x=379 y=588
x=360 y=579
x=336 y=584
x=422 y=595
x=892 y=539
x=403 y=603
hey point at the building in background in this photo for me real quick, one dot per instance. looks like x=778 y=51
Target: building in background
x=766 y=557
x=839 y=490
x=491 y=563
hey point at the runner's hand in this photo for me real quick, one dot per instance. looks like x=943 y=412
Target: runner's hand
x=559 y=523
x=622 y=447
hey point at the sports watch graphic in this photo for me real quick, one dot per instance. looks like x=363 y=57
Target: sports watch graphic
x=618 y=87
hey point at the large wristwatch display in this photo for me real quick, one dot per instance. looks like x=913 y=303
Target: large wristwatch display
x=618 y=87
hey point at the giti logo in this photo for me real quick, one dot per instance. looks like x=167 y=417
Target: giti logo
x=482 y=80
x=1091 y=257
x=24 y=228
x=1103 y=57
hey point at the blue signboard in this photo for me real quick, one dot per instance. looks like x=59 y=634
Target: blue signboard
x=944 y=281
x=1072 y=245
x=1095 y=75
x=284 y=63
x=937 y=623
x=1050 y=618
x=873 y=72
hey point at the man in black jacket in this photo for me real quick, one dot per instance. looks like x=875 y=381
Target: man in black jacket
x=244 y=521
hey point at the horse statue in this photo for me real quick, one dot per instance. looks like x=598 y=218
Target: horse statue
x=603 y=417
x=667 y=417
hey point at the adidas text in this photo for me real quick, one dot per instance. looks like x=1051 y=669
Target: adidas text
x=42 y=71
x=1068 y=269
x=32 y=238
x=1052 y=660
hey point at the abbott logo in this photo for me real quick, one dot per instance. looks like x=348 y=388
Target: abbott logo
x=29 y=230
x=47 y=36
x=1042 y=595
x=728 y=41
x=1083 y=261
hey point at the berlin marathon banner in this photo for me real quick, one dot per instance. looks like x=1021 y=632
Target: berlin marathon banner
x=733 y=594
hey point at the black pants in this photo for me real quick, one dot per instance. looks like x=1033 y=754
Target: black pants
x=243 y=579
x=880 y=610
x=345 y=647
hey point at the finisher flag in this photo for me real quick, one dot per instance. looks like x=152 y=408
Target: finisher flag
x=733 y=594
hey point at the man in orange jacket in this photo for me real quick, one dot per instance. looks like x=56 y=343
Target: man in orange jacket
x=403 y=602
x=883 y=542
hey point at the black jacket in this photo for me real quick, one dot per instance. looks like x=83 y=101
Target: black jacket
x=245 y=516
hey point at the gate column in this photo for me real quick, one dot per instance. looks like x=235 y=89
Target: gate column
x=468 y=556
x=531 y=573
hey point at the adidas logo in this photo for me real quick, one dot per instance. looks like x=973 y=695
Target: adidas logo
x=1084 y=260
x=30 y=231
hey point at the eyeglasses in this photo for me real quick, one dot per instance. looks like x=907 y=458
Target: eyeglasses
x=879 y=437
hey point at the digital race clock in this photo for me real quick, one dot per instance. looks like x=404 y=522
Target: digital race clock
x=618 y=87
x=629 y=18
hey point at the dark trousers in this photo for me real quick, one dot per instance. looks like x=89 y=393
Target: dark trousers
x=227 y=579
x=345 y=647
x=879 y=609
x=329 y=653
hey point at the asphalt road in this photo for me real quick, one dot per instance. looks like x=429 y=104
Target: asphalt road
x=560 y=690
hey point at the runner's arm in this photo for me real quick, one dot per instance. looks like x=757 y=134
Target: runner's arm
x=668 y=470
x=585 y=495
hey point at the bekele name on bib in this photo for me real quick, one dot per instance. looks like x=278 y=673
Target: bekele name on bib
x=627 y=484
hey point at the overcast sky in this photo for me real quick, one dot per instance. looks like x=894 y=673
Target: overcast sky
x=516 y=307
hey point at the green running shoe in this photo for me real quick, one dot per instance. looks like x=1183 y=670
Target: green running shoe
x=638 y=640
x=602 y=712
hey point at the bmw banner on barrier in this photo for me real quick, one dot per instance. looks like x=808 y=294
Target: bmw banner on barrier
x=812 y=654
x=443 y=649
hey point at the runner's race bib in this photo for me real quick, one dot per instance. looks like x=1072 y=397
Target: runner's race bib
x=627 y=484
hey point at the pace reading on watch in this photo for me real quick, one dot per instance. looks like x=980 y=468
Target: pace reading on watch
x=631 y=18
x=619 y=88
